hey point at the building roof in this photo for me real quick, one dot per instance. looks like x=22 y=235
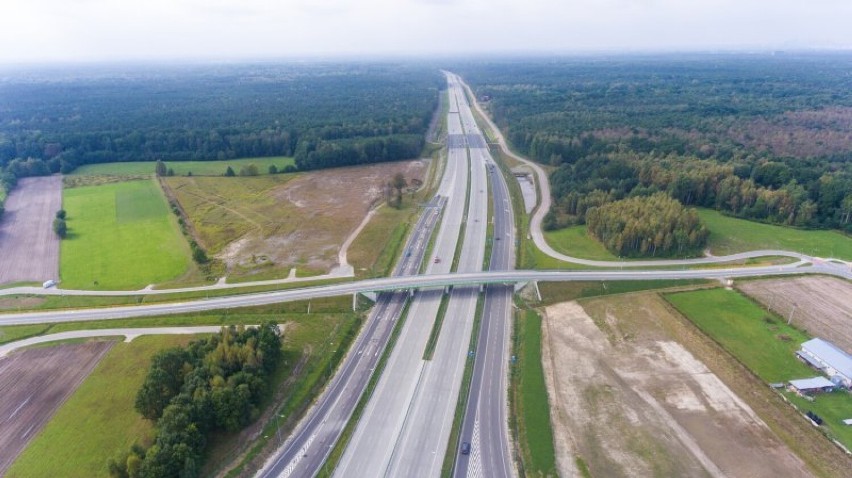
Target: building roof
x=831 y=355
x=811 y=383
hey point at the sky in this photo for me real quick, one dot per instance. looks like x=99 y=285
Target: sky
x=129 y=30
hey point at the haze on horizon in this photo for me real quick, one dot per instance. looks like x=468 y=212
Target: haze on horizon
x=119 y=30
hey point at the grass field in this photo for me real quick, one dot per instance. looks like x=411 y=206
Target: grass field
x=765 y=344
x=120 y=236
x=553 y=292
x=529 y=400
x=729 y=235
x=182 y=168
x=98 y=421
x=576 y=242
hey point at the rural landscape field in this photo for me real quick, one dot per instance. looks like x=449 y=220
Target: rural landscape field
x=425 y=239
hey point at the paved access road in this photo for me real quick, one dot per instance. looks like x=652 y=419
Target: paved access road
x=306 y=450
x=419 y=282
x=128 y=333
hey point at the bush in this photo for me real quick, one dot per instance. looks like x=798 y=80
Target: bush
x=60 y=228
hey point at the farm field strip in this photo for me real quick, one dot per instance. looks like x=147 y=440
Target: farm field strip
x=28 y=246
x=819 y=305
x=182 y=168
x=120 y=236
x=33 y=384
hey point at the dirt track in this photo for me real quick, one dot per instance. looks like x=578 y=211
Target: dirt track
x=29 y=250
x=630 y=401
x=33 y=384
x=822 y=306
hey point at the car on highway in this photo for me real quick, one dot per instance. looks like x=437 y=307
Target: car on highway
x=465 y=448
x=437 y=260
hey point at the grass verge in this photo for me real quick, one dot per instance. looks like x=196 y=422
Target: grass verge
x=464 y=393
x=436 y=328
x=530 y=418
x=555 y=292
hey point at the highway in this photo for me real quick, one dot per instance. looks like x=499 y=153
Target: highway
x=485 y=423
x=373 y=444
x=422 y=443
x=306 y=450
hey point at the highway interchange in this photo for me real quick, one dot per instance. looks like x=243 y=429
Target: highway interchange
x=406 y=422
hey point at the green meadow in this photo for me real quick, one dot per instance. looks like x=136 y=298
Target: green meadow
x=120 y=236
x=728 y=235
x=182 y=168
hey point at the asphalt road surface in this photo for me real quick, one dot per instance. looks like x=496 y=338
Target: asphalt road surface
x=485 y=423
x=422 y=443
x=372 y=445
x=306 y=450
x=128 y=333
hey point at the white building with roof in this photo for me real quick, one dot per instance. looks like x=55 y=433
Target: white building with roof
x=808 y=386
x=828 y=358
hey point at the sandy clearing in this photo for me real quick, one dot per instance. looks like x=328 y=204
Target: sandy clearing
x=630 y=401
x=33 y=384
x=271 y=225
x=822 y=306
x=29 y=250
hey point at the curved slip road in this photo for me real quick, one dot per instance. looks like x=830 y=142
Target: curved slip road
x=128 y=333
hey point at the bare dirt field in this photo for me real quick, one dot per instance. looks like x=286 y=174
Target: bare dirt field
x=629 y=400
x=33 y=384
x=269 y=224
x=29 y=250
x=822 y=306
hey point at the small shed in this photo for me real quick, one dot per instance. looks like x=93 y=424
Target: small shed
x=812 y=385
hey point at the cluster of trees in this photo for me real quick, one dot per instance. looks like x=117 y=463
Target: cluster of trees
x=655 y=225
x=393 y=190
x=759 y=137
x=212 y=384
x=65 y=119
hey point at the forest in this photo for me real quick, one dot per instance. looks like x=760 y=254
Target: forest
x=757 y=136
x=325 y=114
x=212 y=384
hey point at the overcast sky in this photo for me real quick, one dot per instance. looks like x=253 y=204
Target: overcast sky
x=95 y=30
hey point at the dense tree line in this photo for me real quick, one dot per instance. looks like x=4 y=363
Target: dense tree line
x=654 y=225
x=318 y=154
x=212 y=384
x=759 y=137
x=324 y=114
